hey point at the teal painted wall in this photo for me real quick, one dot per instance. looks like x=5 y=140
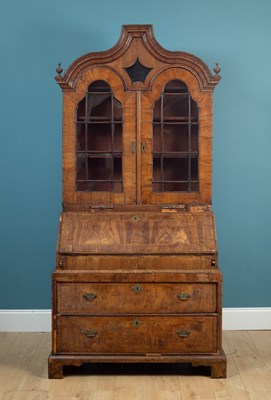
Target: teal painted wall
x=36 y=34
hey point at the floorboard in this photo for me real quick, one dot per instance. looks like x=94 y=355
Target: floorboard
x=23 y=374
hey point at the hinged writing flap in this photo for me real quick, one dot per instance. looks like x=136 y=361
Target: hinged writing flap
x=137 y=233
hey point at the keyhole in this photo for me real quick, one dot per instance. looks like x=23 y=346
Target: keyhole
x=137 y=288
x=136 y=323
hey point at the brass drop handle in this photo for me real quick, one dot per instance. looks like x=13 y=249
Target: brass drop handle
x=183 y=296
x=183 y=333
x=89 y=296
x=90 y=333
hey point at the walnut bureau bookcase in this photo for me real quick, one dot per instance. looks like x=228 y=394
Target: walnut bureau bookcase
x=137 y=276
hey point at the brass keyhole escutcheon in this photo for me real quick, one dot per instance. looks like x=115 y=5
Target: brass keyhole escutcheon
x=143 y=147
x=135 y=218
x=136 y=323
x=137 y=288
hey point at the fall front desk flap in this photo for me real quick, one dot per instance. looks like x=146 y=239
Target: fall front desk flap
x=137 y=233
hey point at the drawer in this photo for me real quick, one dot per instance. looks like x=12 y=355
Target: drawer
x=129 y=298
x=137 y=335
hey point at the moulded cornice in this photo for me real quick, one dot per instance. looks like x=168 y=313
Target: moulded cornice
x=187 y=61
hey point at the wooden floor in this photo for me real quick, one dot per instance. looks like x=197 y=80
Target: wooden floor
x=23 y=374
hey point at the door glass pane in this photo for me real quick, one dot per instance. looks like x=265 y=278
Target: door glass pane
x=194 y=111
x=96 y=186
x=175 y=169
x=194 y=168
x=157 y=139
x=157 y=187
x=99 y=105
x=81 y=167
x=100 y=87
x=157 y=170
x=175 y=137
x=81 y=110
x=157 y=111
x=176 y=187
x=175 y=106
x=175 y=86
x=99 y=137
x=194 y=138
x=194 y=186
x=117 y=187
x=99 y=168
x=117 y=110
x=118 y=138
x=81 y=136
x=117 y=169
x=81 y=186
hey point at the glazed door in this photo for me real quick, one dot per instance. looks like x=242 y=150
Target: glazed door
x=99 y=157
x=175 y=166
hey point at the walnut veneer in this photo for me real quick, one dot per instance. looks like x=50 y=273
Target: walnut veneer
x=137 y=277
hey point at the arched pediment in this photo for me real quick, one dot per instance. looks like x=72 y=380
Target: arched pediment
x=137 y=52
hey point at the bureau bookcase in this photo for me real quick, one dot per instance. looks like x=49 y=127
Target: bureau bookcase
x=137 y=276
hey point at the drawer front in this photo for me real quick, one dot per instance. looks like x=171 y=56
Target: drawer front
x=137 y=335
x=129 y=298
x=137 y=262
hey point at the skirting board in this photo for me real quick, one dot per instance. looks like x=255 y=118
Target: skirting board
x=40 y=320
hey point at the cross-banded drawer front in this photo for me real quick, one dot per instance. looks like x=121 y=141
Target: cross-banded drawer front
x=130 y=298
x=134 y=335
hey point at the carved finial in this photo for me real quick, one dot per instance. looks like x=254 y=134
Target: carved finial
x=59 y=70
x=216 y=69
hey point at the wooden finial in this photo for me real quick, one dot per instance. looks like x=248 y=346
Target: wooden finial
x=216 y=69
x=59 y=70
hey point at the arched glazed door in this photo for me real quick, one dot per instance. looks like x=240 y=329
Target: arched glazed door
x=175 y=132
